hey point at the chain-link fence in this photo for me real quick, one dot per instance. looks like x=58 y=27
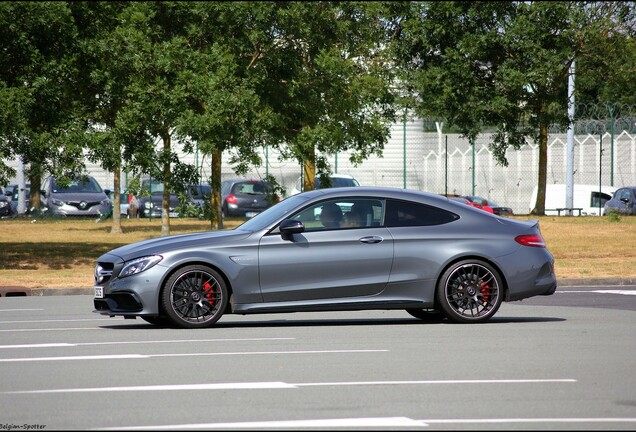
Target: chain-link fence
x=604 y=155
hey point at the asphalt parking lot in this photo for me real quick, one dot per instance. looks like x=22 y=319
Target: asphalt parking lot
x=564 y=365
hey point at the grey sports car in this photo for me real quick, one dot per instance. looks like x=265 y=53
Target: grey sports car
x=355 y=248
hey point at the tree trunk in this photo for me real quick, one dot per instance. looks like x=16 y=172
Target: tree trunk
x=116 y=228
x=539 y=207
x=165 y=201
x=35 y=179
x=309 y=171
x=215 y=184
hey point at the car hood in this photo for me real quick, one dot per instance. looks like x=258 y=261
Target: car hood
x=158 y=246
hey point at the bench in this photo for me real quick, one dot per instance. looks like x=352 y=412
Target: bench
x=561 y=209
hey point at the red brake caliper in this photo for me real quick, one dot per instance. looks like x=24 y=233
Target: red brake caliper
x=485 y=289
x=209 y=294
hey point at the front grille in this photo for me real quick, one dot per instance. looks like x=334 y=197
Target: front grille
x=83 y=205
x=103 y=272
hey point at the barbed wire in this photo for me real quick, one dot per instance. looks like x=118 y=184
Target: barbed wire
x=590 y=118
x=604 y=117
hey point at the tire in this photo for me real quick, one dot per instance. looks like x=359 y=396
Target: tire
x=194 y=297
x=470 y=291
x=426 y=314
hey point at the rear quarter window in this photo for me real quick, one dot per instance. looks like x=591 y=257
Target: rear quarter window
x=408 y=214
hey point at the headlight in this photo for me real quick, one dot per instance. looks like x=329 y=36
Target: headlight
x=57 y=202
x=105 y=202
x=148 y=204
x=3 y=204
x=138 y=265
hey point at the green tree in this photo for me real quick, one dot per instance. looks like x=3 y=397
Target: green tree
x=224 y=113
x=308 y=78
x=115 y=135
x=40 y=119
x=140 y=97
x=501 y=64
x=329 y=82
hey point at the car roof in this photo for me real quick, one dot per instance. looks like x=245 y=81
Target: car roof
x=371 y=191
x=241 y=179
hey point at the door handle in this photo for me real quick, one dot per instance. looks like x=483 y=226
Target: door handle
x=371 y=239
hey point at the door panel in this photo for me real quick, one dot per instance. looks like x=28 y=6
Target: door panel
x=325 y=264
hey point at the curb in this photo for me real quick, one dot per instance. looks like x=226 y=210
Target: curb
x=596 y=282
x=18 y=291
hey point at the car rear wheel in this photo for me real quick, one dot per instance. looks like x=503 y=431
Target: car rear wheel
x=470 y=291
x=194 y=297
x=426 y=314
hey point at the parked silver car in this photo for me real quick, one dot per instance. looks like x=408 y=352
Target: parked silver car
x=388 y=249
x=83 y=196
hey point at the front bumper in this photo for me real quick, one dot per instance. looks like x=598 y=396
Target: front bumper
x=134 y=295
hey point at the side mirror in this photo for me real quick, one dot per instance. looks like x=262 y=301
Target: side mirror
x=107 y=191
x=42 y=192
x=289 y=227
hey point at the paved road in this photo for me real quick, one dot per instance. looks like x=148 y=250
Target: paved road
x=564 y=362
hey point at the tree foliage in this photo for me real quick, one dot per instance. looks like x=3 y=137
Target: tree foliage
x=40 y=118
x=109 y=80
x=502 y=64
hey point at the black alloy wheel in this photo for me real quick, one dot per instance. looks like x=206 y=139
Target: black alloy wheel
x=194 y=297
x=470 y=291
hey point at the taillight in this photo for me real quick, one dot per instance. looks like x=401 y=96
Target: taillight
x=231 y=199
x=533 y=240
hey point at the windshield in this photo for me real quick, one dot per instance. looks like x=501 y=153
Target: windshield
x=200 y=191
x=153 y=186
x=87 y=185
x=272 y=214
x=251 y=188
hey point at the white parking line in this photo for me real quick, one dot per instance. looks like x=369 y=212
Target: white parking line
x=19 y=310
x=385 y=422
x=56 y=345
x=139 y=356
x=51 y=329
x=620 y=292
x=278 y=385
x=54 y=321
x=294 y=424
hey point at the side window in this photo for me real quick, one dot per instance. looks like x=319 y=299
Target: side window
x=624 y=194
x=348 y=213
x=407 y=213
x=362 y=213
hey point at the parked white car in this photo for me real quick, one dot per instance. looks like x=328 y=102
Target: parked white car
x=588 y=200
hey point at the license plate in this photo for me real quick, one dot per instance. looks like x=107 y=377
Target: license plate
x=173 y=214
x=251 y=214
x=99 y=292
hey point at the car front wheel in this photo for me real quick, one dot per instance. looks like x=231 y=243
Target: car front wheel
x=194 y=297
x=470 y=291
